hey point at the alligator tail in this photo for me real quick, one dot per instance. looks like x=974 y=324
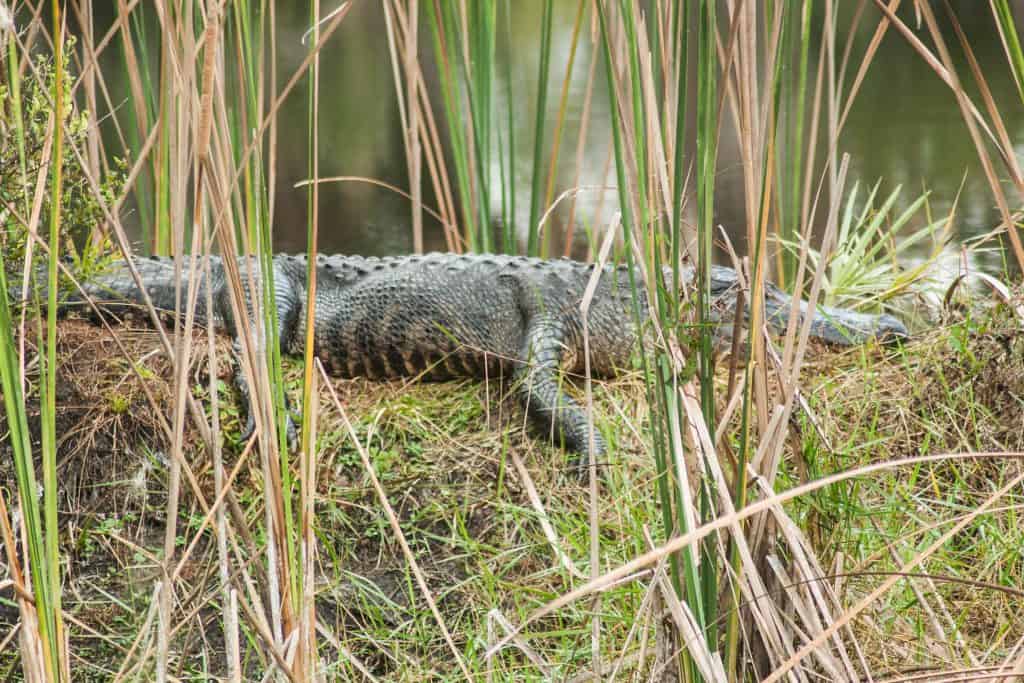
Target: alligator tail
x=113 y=289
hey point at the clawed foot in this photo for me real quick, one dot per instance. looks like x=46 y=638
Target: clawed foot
x=582 y=467
x=291 y=430
x=582 y=461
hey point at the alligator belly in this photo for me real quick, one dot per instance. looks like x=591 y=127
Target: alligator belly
x=428 y=364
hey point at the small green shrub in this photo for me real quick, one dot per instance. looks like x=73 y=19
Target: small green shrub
x=81 y=206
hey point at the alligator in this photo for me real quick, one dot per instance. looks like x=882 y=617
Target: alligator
x=441 y=316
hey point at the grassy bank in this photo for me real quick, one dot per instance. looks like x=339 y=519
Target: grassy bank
x=498 y=528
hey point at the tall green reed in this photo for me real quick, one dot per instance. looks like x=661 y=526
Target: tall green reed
x=465 y=53
x=42 y=617
x=707 y=155
x=533 y=238
x=1007 y=27
x=51 y=607
x=304 y=570
x=649 y=142
x=792 y=90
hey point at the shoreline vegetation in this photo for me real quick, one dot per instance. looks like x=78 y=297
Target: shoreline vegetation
x=783 y=511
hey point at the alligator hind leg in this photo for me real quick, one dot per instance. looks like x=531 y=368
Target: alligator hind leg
x=538 y=383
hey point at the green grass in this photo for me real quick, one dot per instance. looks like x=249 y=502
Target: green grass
x=460 y=500
x=860 y=272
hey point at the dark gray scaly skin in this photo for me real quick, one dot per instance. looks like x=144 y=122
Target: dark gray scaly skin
x=448 y=315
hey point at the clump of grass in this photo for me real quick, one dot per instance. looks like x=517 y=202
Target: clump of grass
x=958 y=389
x=446 y=455
x=865 y=269
x=457 y=463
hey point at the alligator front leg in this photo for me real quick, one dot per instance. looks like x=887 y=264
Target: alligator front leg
x=250 y=414
x=287 y=301
x=538 y=383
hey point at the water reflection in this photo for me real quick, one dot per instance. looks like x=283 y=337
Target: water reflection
x=905 y=128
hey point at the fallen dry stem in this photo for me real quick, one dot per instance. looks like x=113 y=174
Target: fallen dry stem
x=690 y=538
x=908 y=566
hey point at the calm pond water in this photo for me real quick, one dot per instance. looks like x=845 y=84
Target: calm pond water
x=905 y=129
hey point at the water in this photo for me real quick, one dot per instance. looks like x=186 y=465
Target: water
x=904 y=129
